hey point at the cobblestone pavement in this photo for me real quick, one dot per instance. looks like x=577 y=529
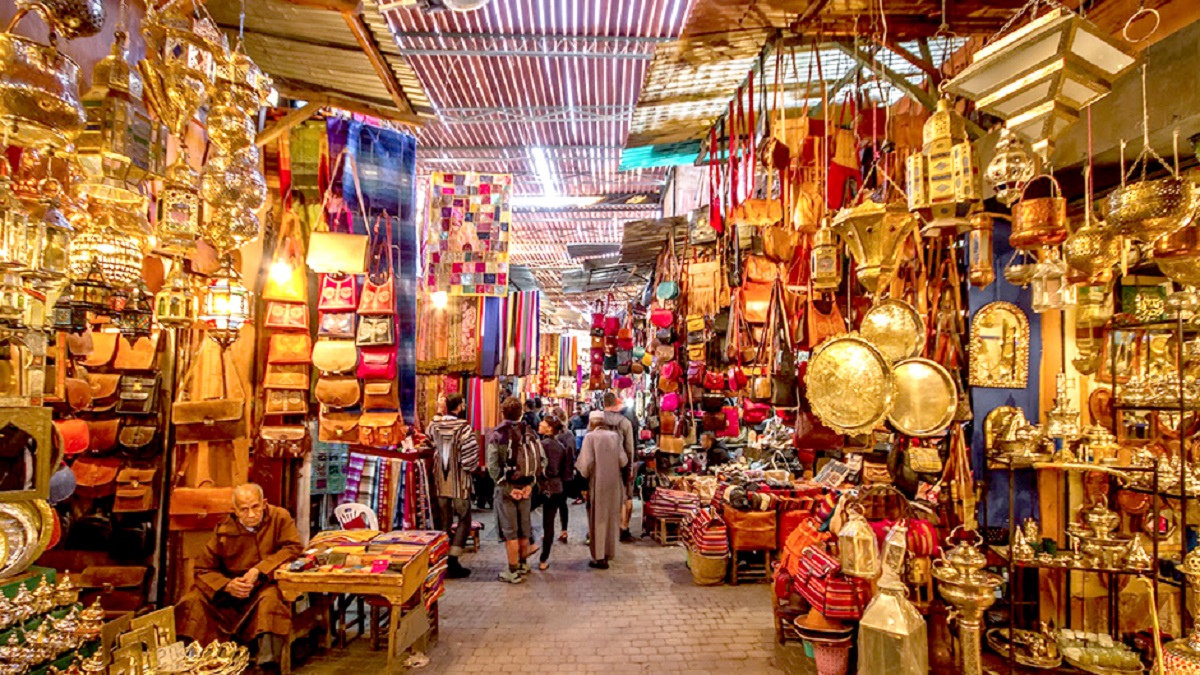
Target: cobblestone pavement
x=643 y=615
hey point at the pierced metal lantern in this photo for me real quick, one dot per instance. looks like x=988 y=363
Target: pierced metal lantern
x=1050 y=287
x=981 y=270
x=92 y=292
x=874 y=234
x=12 y=301
x=944 y=181
x=226 y=305
x=1040 y=76
x=178 y=211
x=1010 y=169
x=1091 y=251
x=137 y=317
x=67 y=315
x=14 y=229
x=826 y=264
x=175 y=303
x=857 y=545
x=50 y=236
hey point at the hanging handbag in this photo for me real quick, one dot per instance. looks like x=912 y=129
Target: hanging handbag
x=135 y=490
x=78 y=391
x=377 y=363
x=289 y=348
x=220 y=419
x=284 y=442
x=695 y=373
x=334 y=356
x=337 y=427
x=378 y=295
x=102 y=435
x=137 y=442
x=598 y=320
x=811 y=434
x=669 y=402
x=96 y=477
x=337 y=325
x=822 y=325
x=331 y=252
x=612 y=322
x=137 y=356
x=338 y=392
x=339 y=293
x=755 y=413
x=286 y=316
x=382 y=395
x=287 y=280
x=662 y=318
x=73 y=436
x=732 y=428
x=286 y=402
x=282 y=376
x=376 y=331
x=668 y=272
x=380 y=429
x=138 y=395
x=714 y=380
x=104 y=347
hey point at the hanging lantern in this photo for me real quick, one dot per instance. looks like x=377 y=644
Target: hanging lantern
x=874 y=233
x=981 y=270
x=121 y=142
x=50 y=240
x=117 y=254
x=944 y=181
x=857 y=545
x=826 y=259
x=178 y=211
x=12 y=301
x=226 y=305
x=1011 y=167
x=892 y=633
x=1090 y=251
x=39 y=93
x=1094 y=305
x=175 y=304
x=230 y=227
x=1050 y=288
x=67 y=315
x=92 y=291
x=137 y=317
x=1039 y=221
x=1041 y=75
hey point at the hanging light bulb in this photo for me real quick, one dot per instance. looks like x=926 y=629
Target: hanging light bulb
x=226 y=304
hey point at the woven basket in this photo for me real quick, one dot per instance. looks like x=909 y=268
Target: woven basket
x=707 y=570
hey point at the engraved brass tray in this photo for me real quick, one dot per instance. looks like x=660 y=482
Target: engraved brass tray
x=895 y=328
x=850 y=385
x=21 y=531
x=926 y=398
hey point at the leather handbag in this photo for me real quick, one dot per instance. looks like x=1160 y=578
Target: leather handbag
x=287 y=280
x=338 y=392
x=612 y=322
x=286 y=376
x=331 y=251
x=714 y=422
x=755 y=413
x=339 y=293
x=695 y=373
x=376 y=331
x=337 y=427
x=286 y=442
x=662 y=317
x=665 y=336
x=750 y=530
x=104 y=347
x=137 y=356
x=670 y=371
x=78 y=393
x=664 y=352
x=138 y=395
x=610 y=361
x=714 y=380
x=381 y=395
x=336 y=325
x=219 y=419
x=135 y=490
x=378 y=296
x=334 y=356
x=822 y=325
x=760 y=388
x=667 y=272
x=95 y=477
x=73 y=436
x=669 y=402
x=102 y=434
x=380 y=429
x=597 y=330
x=103 y=388
x=289 y=348
x=137 y=441
x=667 y=386
x=737 y=378
x=670 y=444
x=191 y=507
x=377 y=363
x=756 y=299
x=712 y=402
x=732 y=428
x=285 y=402
x=286 y=316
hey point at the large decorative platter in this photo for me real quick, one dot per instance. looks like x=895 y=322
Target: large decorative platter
x=850 y=385
x=926 y=398
x=895 y=328
x=21 y=532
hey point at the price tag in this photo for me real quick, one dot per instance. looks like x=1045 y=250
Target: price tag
x=171 y=657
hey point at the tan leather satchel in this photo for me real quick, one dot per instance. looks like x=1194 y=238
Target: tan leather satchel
x=338 y=392
x=220 y=419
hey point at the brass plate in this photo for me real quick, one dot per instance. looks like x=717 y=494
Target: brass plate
x=925 y=398
x=895 y=328
x=21 y=531
x=850 y=385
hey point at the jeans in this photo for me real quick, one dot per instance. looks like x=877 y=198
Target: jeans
x=453 y=516
x=552 y=505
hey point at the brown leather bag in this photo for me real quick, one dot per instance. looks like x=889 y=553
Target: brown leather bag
x=286 y=402
x=103 y=388
x=95 y=477
x=138 y=441
x=222 y=419
x=102 y=434
x=289 y=348
x=751 y=530
x=380 y=429
x=73 y=436
x=284 y=441
x=78 y=393
x=286 y=376
x=137 y=356
x=135 y=490
x=337 y=428
x=104 y=346
x=381 y=395
x=338 y=392
x=192 y=507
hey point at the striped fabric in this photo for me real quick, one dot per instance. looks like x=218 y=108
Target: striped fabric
x=455 y=452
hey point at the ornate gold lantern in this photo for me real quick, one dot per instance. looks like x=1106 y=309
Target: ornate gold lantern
x=1011 y=167
x=50 y=237
x=873 y=233
x=12 y=301
x=1091 y=252
x=981 y=269
x=175 y=304
x=117 y=253
x=1040 y=76
x=178 y=211
x=226 y=305
x=857 y=545
x=943 y=181
x=137 y=317
x=39 y=90
x=826 y=259
x=892 y=634
x=14 y=228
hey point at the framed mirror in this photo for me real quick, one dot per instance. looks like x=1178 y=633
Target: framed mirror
x=999 y=348
x=25 y=451
x=1121 y=357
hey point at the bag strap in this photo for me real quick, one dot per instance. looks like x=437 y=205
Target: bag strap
x=183 y=386
x=323 y=224
x=381 y=240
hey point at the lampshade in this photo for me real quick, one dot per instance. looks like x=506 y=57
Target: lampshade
x=1050 y=287
x=1011 y=167
x=137 y=317
x=1040 y=76
x=874 y=234
x=178 y=211
x=226 y=304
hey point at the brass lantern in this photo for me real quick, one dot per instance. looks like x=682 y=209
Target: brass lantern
x=1091 y=251
x=91 y=291
x=892 y=633
x=50 y=236
x=69 y=316
x=826 y=259
x=1050 y=287
x=226 y=305
x=12 y=301
x=178 y=211
x=874 y=234
x=137 y=317
x=981 y=269
x=944 y=181
x=1011 y=167
x=14 y=228
x=1041 y=75
x=857 y=545
x=175 y=303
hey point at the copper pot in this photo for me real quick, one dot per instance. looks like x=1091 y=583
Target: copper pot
x=1039 y=222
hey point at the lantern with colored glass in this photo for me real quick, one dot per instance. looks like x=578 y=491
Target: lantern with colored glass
x=1040 y=76
x=67 y=315
x=14 y=228
x=944 y=183
x=178 y=211
x=826 y=262
x=226 y=305
x=175 y=303
x=981 y=270
x=92 y=292
x=137 y=317
x=857 y=545
x=12 y=301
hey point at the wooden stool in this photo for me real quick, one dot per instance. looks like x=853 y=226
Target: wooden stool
x=755 y=572
x=304 y=622
x=785 y=624
x=473 y=538
x=666 y=530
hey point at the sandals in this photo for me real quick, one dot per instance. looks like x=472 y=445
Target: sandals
x=543 y=566
x=563 y=537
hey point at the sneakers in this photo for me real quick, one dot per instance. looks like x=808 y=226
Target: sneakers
x=626 y=536
x=598 y=564
x=523 y=569
x=511 y=577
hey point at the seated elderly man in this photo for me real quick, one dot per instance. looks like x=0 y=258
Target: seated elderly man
x=234 y=596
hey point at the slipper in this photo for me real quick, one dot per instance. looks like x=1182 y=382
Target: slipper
x=563 y=537
x=543 y=566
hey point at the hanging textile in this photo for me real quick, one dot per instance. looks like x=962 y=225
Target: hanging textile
x=467 y=246
x=491 y=336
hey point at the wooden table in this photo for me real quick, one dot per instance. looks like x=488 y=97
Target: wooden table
x=406 y=628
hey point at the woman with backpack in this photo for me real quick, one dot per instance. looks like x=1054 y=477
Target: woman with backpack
x=560 y=468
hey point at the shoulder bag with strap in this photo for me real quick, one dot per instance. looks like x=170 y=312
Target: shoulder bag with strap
x=289 y=255
x=378 y=293
x=331 y=252
x=219 y=419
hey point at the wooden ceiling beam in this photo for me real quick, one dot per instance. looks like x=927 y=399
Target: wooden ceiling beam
x=925 y=65
x=900 y=26
x=365 y=40
x=302 y=92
